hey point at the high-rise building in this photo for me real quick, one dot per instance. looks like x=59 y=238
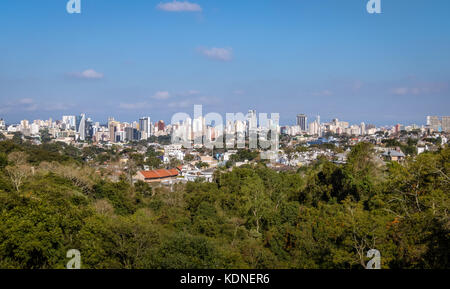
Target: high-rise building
x=252 y=122
x=434 y=122
x=314 y=128
x=302 y=122
x=252 y=119
x=2 y=124
x=319 y=126
x=145 y=126
x=69 y=120
x=81 y=127
x=362 y=128
x=398 y=128
x=445 y=122
x=89 y=129
x=132 y=134
x=161 y=125
x=24 y=124
x=113 y=128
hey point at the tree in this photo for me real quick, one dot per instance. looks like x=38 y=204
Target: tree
x=202 y=165
x=46 y=137
x=138 y=160
x=174 y=162
x=325 y=216
x=363 y=171
x=257 y=200
x=189 y=158
x=17 y=138
x=131 y=170
x=19 y=170
x=3 y=160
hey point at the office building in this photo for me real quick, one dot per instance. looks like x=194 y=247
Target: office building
x=81 y=127
x=302 y=122
x=145 y=127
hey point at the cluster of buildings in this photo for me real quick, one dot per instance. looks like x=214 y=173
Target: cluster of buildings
x=210 y=128
x=199 y=130
x=203 y=129
x=337 y=127
x=120 y=132
x=439 y=123
x=81 y=128
x=317 y=128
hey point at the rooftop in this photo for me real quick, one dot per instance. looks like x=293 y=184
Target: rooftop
x=159 y=174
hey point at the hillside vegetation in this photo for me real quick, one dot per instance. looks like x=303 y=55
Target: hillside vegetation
x=323 y=216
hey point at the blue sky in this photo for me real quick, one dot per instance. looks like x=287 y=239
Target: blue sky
x=133 y=58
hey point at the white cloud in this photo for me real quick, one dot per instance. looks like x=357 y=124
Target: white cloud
x=420 y=88
x=58 y=106
x=325 y=92
x=31 y=107
x=400 y=91
x=181 y=104
x=190 y=102
x=91 y=74
x=88 y=74
x=188 y=93
x=178 y=6
x=25 y=101
x=221 y=54
x=25 y=104
x=414 y=90
x=161 y=95
x=133 y=106
x=28 y=104
x=193 y=92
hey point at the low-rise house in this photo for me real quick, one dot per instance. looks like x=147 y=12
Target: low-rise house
x=341 y=158
x=394 y=155
x=422 y=149
x=195 y=174
x=173 y=151
x=156 y=176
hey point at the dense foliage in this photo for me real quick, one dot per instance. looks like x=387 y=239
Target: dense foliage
x=323 y=216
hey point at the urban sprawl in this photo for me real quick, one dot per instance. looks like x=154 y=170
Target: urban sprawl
x=150 y=149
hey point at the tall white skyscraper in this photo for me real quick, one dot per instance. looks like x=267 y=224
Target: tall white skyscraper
x=81 y=127
x=363 y=128
x=145 y=126
x=252 y=120
x=319 y=126
x=302 y=122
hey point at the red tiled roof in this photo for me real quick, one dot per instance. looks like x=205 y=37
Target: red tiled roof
x=159 y=174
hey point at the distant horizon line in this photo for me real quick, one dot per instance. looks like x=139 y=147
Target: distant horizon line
x=292 y=123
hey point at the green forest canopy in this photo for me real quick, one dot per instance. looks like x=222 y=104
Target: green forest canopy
x=324 y=216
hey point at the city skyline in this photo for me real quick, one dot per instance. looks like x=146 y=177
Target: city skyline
x=292 y=122
x=329 y=58
x=138 y=118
